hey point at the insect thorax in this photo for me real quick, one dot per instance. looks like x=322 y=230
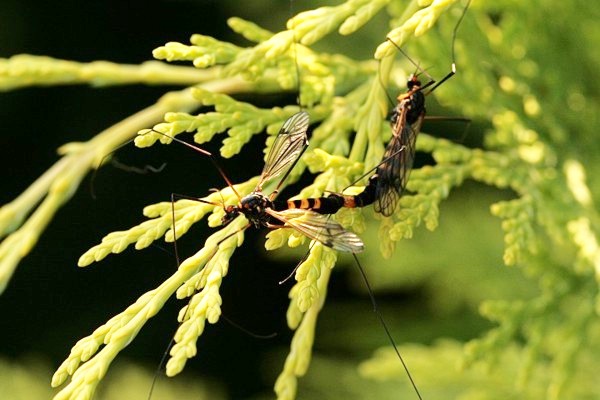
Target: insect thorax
x=414 y=102
x=254 y=206
x=416 y=107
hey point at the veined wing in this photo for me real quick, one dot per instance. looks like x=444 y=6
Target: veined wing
x=287 y=147
x=394 y=172
x=320 y=228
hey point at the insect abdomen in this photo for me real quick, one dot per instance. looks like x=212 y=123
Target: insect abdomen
x=332 y=203
x=364 y=198
x=322 y=205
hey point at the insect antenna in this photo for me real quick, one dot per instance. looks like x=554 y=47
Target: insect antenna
x=418 y=68
x=215 y=190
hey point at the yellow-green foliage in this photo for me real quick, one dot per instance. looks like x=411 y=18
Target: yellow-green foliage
x=523 y=69
x=28 y=379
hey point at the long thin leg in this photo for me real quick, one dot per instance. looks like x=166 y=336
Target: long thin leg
x=373 y=169
x=206 y=153
x=453 y=68
x=385 y=327
x=165 y=354
x=299 y=263
x=444 y=79
x=93 y=178
x=394 y=154
x=177 y=196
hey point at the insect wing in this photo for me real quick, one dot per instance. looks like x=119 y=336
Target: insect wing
x=320 y=228
x=394 y=172
x=287 y=147
x=409 y=140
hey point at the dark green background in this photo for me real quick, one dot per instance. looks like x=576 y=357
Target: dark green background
x=51 y=303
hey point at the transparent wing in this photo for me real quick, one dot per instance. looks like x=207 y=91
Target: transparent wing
x=394 y=172
x=320 y=228
x=287 y=147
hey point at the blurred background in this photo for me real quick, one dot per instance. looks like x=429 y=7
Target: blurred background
x=429 y=291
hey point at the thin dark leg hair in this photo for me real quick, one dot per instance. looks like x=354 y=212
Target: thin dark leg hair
x=231 y=322
x=385 y=327
x=444 y=118
x=160 y=365
x=172 y=340
x=173 y=196
x=455 y=31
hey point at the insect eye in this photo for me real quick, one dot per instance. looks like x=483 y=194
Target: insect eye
x=413 y=81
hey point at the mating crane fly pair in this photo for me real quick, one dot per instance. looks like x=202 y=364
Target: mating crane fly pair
x=387 y=184
x=311 y=216
x=384 y=187
x=308 y=216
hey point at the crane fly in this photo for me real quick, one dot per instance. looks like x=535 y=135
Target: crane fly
x=289 y=145
x=385 y=187
x=259 y=209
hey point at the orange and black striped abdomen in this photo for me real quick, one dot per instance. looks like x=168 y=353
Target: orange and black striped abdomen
x=332 y=203
x=322 y=205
